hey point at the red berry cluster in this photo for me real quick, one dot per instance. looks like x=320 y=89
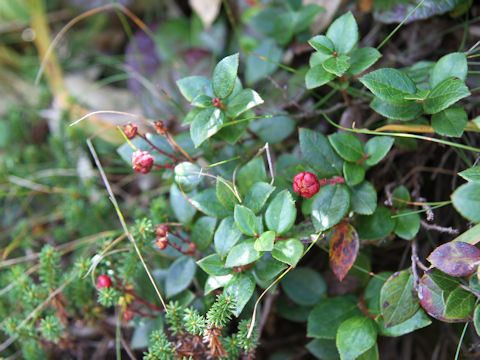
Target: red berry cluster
x=161 y=233
x=306 y=184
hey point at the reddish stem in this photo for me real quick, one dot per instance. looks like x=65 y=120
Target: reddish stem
x=154 y=147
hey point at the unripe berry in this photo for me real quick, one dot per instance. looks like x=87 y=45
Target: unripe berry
x=104 y=281
x=130 y=130
x=216 y=102
x=306 y=184
x=192 y=247
x=142 y=162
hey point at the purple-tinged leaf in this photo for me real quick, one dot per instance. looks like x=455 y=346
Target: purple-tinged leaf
x=456 y=258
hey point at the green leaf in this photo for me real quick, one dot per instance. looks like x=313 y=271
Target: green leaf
x=213 y=265
x=202 y=232
x=318 y=153
x=192 y=86
x=202 y=101
x=304 y=286
x=372 y=292
x=376 y=226
x=401 y=197
x=317 y=76
x=305 y=15
x=377 y=148
x=454 y=64
x=226 y=236
x=362 y=58
x=250 y=173
x=397 y=300
x=257 y=196
x=328 y=314
x=183 y=210
x=348 y=146
x=329 y=206
x=322 y=44
x=344 y=33
x=187 y=176
x=323 y=349
x=459 y=304
x=281 y=213
x=206 y=201
x=265 y=241
x=318 y=58
x=354 y=174
x=471 y=174
x=241 y=287
x=257 y=67
x=214 y=282
x=288 y=251
x=390 y=85
x=363 y=198
x=243 y=101
x=370 y=354
x=450 y=122
x=225 y=75
x=466 y=199
x=355 y=336
x=224 y=191
x=476 y=319
x=179 y=276
x=266 y=268
x=337 y=65
x=417 y=321
x=274 y=129
x=206 y=124
x=246 y=220
x=401 y=110
x=407 y=225
x=445 y=94
x=241 y=254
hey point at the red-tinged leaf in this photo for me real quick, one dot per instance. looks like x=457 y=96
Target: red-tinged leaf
x=434 y=290
x=456 y=258
x=431 y=298
x=344 y=245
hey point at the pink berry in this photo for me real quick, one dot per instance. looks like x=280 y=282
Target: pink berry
x=104 y=281
x=306 y=184
x=142 y=162
x=161 y=243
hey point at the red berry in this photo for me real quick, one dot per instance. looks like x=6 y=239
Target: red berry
x=192 y=247
x=130 y=130
x=306 y=184
x=128 y=315
x=161 y=230
x=142 y=162
x=104 y=281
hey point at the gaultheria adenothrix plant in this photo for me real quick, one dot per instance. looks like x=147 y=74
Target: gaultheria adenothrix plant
x=239 y=226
